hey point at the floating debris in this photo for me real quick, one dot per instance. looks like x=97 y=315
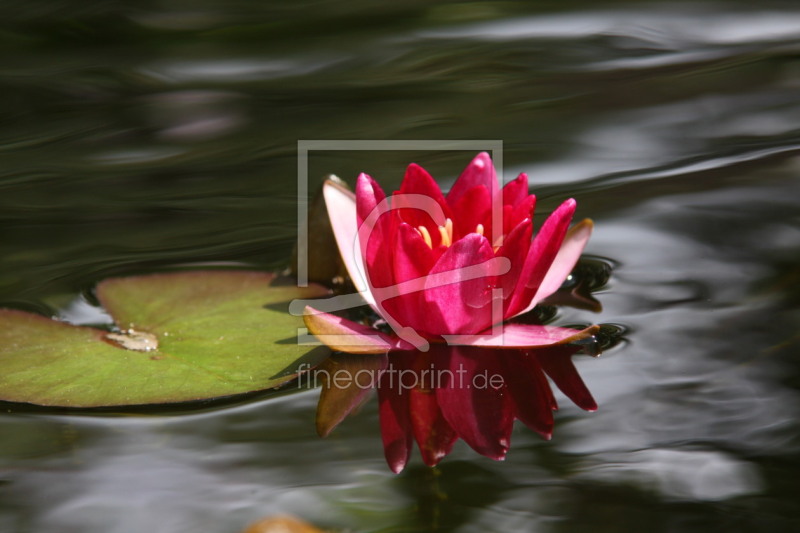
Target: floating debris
x=131 y=339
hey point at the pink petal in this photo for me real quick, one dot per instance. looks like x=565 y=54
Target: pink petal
x=461 y=305
x=517 y=203
x=413 y=259
x=515 y=248
x=557 y=363
x=513 y=215
x=565 y=260
x=472 y=208
x=368 y=195
x=395 y=420
x=479 y=413
x=341 y=205
x=521 y=336
x=434 y=435
x=345 y=335
x=418 y=181
x=541 y=255
x=530 y=392
x=516 y=191
x=479 y=172
x=375 y=230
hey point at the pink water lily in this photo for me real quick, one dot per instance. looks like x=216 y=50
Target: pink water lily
x=448 y=268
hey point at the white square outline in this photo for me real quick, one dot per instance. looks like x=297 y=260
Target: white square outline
x=304 y=146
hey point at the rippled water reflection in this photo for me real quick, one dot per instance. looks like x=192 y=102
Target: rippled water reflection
x=134 y=139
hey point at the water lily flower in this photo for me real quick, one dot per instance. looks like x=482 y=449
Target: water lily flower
x=448 y=268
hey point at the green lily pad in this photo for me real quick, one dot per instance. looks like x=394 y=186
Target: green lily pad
x=184 y=336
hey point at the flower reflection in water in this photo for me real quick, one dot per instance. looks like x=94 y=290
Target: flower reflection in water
x=451 y=392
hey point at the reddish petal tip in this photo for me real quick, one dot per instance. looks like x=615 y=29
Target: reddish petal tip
x=482 y=159
x=520 y=181
x=501 y=457
x=431 y=460
x=497 y=453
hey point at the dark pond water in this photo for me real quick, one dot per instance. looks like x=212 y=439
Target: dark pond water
x=136 y=136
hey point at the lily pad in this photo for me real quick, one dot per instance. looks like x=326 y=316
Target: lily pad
x=183 y=336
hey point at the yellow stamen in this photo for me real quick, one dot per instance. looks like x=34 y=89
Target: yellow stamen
x=479 y=229
x=423 y=231
x=446 y=232
x=445 y=237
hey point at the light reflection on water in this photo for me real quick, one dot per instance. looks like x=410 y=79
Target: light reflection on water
x=675 y=127
x=691 y=25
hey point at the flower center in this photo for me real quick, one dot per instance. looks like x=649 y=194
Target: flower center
x=445 y=233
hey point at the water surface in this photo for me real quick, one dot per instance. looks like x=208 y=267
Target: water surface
x=141 y=137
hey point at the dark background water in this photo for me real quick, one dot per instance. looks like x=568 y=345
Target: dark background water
x=136 y=136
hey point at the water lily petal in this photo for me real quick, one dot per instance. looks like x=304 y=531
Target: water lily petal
x=557 y=363
x=341 y=205
x=567 y=257
x=571 y=250
x=375 y=230
x=369 y=194
x=418 y=181
x=395 y=420
x=541 y=255
x=480 y=171
x=472 y=208
x=530 y=392
x=433 y=434
x=413 y=259
x=515 y=191
x=462 y=304
x=340 y=397
x=345 y=335
x=515 y=248
x=513 y=215
x=480 y=414
x=522 y=336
